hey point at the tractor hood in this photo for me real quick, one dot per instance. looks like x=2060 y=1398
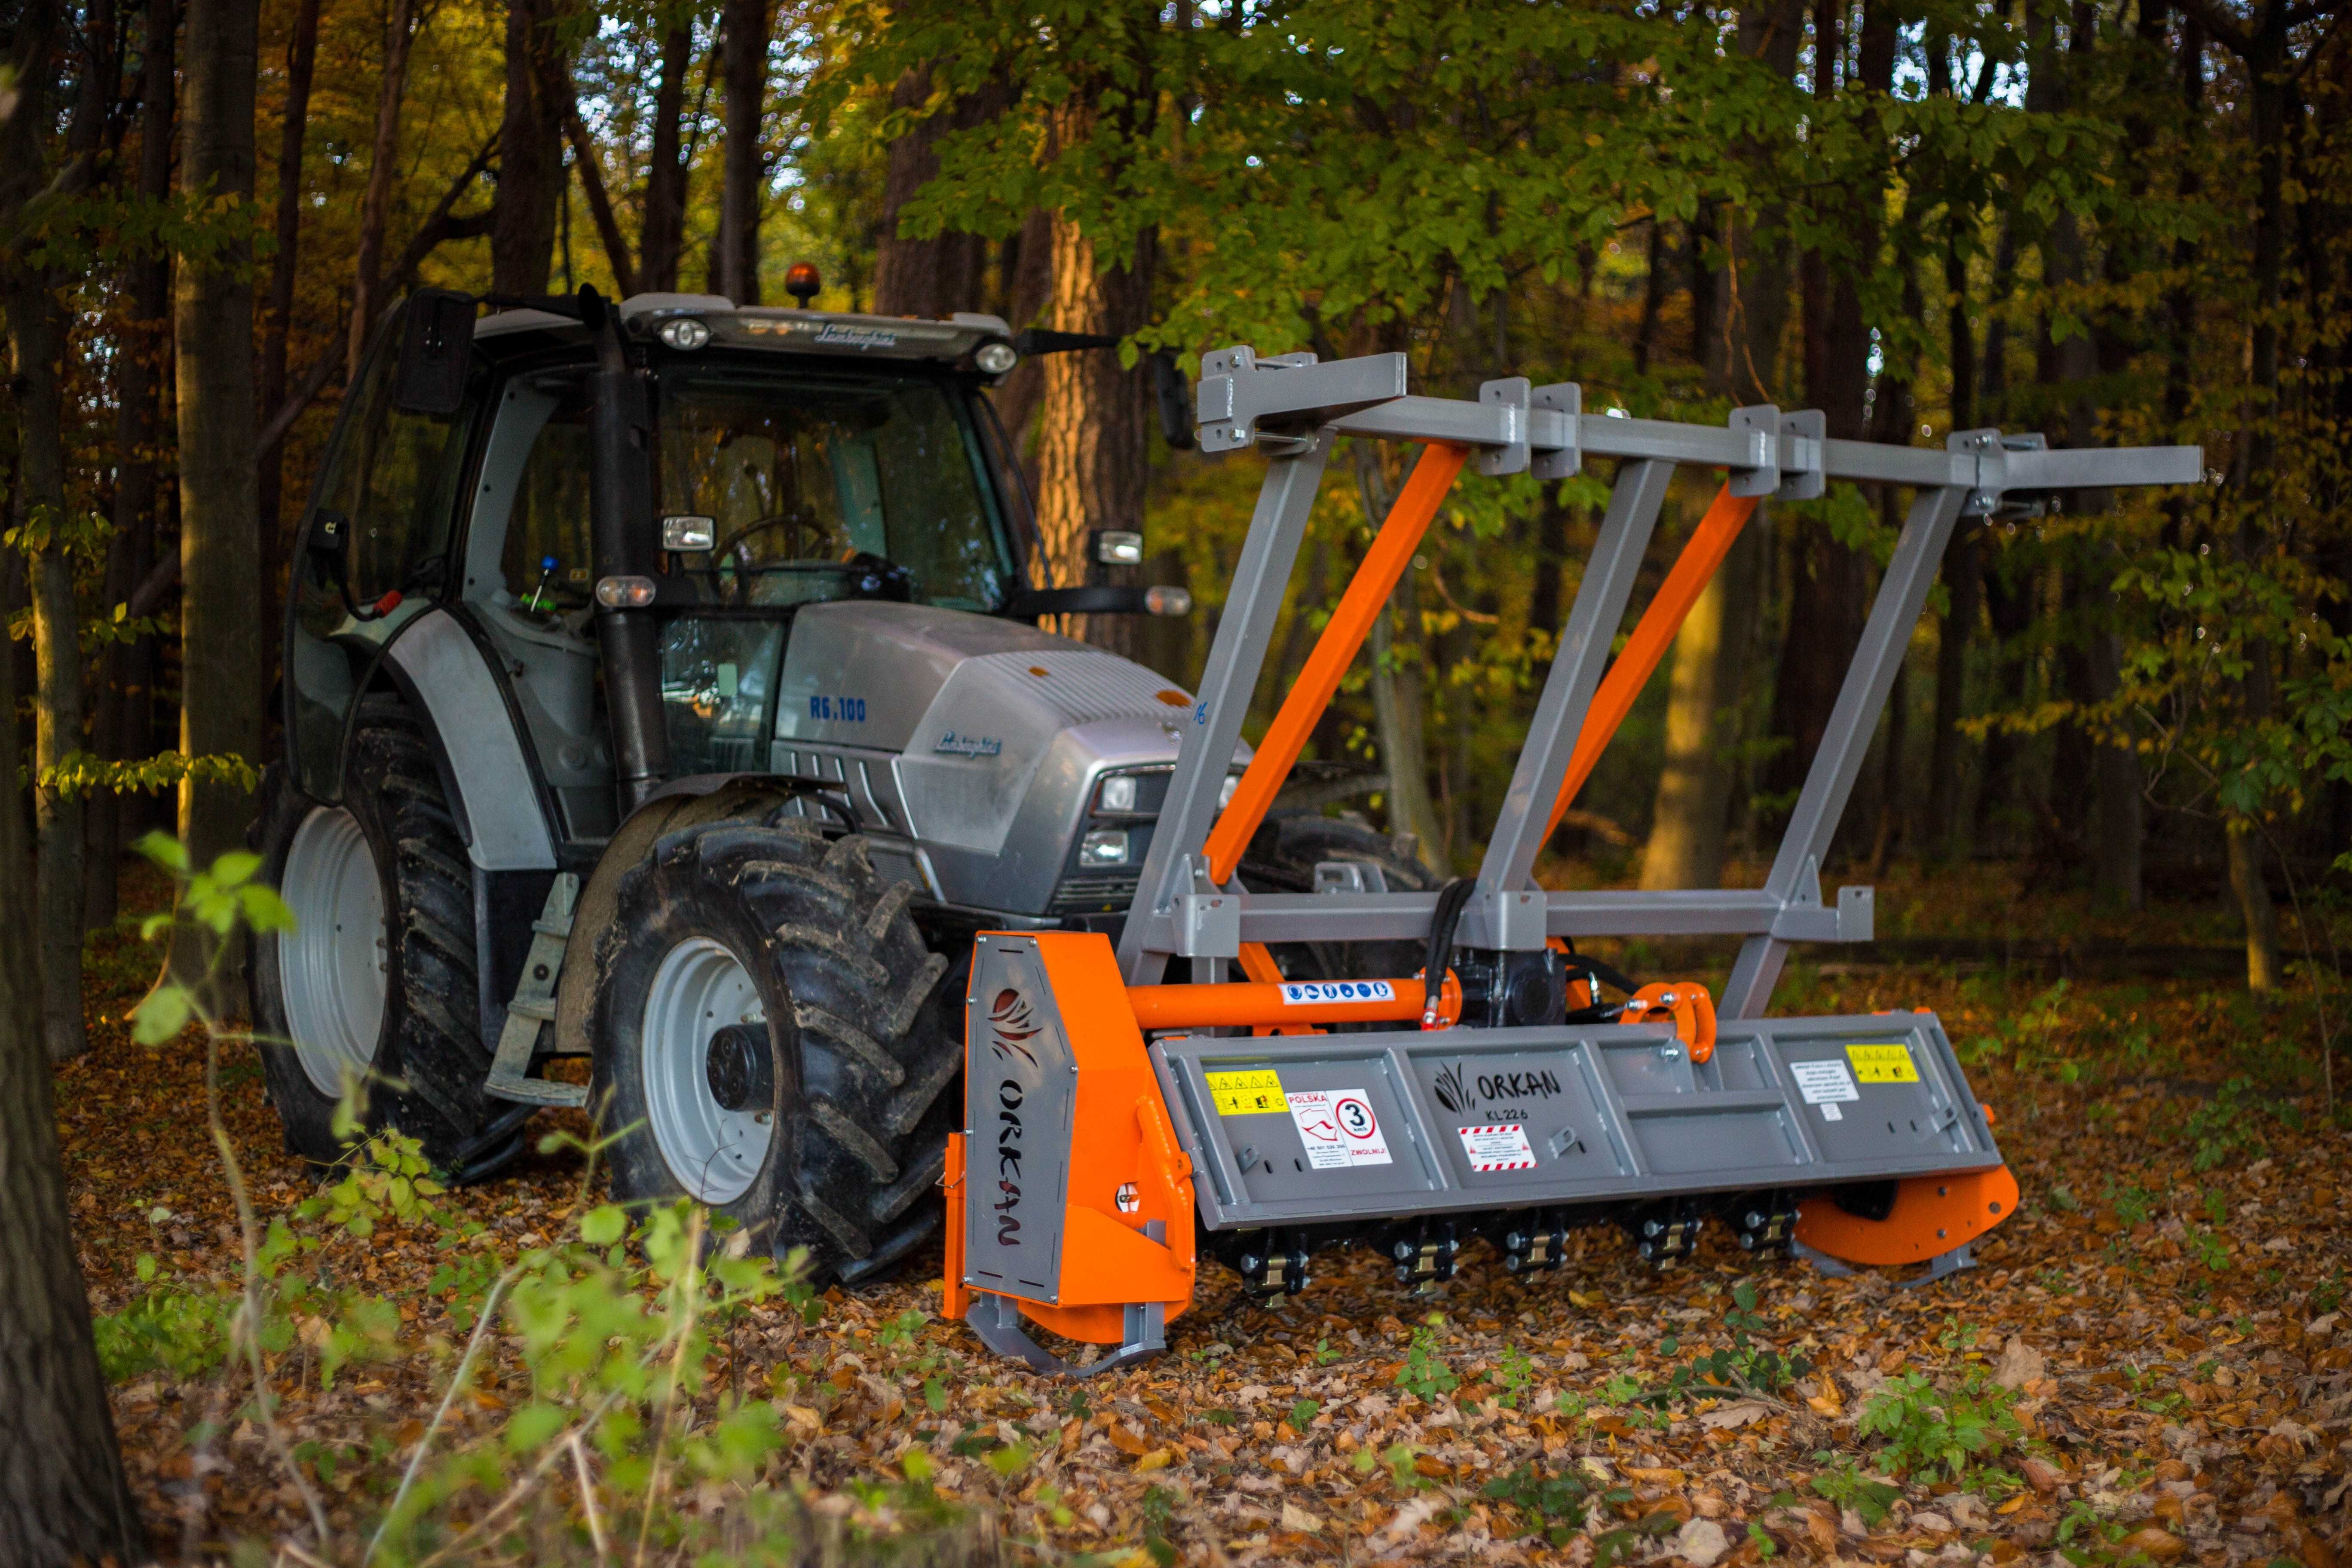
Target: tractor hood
x=993 y=733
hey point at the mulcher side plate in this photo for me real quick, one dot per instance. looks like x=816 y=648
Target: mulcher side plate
x=1561 y=1115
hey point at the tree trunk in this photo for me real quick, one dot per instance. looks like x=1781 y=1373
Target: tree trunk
x=118 y=726
x=1029 y=285
x=530 y=153
x=220 y=659
x=1689 y=825
x=743 y=44
x=2263 y=970
x=376 y=210
x=1399 y=699
x=36 y=341
x=301 y=57
x=947 y=273
x=1093 y=453
x=661 y=240
x=63 y=1496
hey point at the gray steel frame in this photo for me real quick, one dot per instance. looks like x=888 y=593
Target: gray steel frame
x=1294 y=409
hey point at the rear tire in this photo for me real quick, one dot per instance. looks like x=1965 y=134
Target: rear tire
x=352 y=993
x=761 y=944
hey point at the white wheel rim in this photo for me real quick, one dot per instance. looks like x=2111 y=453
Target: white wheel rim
x=713 y=1153
x=331 y=966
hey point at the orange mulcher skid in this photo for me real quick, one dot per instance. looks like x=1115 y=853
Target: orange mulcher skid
x=1132 y=1109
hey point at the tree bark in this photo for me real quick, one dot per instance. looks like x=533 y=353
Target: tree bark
x=302 y=58
x=947 y=273
x=743 y=45
x=1028 y=265
x=661 y=239
x=221 y=706
x=1400 y=697
x=37 y=341
x=1689 y=825
x=63 y=1496
x=1093 y=452
x=530 y=152
x=376 y=210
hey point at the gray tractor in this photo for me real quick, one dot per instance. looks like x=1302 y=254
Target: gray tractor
x=664 y=687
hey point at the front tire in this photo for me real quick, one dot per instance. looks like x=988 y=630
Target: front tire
x=772 y=1039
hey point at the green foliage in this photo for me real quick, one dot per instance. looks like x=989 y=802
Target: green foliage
x=2222 y=1130
x=1426 y=1374
x=181 y=1330
x=2027 y=1036
x=1745 y=1366
x=1842 y=1483
x=1932 y=1432
x=1515 y=1374
x=1551 y=1506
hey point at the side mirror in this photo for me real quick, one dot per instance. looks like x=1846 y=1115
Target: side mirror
x=1175 y=399
x=437 y=347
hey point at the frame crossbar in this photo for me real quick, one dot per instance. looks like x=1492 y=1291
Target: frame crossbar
x=1187 y=904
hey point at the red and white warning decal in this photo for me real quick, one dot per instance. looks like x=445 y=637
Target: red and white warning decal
x=1338 y=1128
x=1501 y=1148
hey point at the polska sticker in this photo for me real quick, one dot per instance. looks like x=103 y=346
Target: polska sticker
x=1305 y=992
x=1338 y=1128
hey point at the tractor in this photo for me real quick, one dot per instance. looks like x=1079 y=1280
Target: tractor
x=663 y=686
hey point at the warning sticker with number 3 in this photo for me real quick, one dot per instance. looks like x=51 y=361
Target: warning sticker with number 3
x=1338 y=1128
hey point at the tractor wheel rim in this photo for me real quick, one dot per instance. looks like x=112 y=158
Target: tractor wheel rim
x=714 y=1153
x=332 y=966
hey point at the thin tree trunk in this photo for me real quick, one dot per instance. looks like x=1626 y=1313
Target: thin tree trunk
x=2263 y=969
x=530 y=153
x=743 y=45
x=1690 y=825
x=220 y=658
x=302 y=58
x=1399 y=698
x=662 y=238
x=37 y=340
x=376 y=210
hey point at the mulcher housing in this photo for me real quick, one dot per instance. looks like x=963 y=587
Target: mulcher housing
x=1129 y=1108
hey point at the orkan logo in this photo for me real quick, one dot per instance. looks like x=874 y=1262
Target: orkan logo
x=1012 y=1024
x=1459 y=1094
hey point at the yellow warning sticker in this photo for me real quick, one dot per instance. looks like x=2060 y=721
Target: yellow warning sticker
x=1255 y=1092
x=1882 y=1064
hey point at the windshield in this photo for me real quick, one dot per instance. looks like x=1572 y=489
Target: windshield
x=812 y=484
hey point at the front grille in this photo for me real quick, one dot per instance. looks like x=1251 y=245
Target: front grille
x=1095 y=892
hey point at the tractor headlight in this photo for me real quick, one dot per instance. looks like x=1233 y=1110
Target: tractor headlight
x=1118 y=793
x=685 y=332
x=995 y=358
x=625 y=593
x=1103 y=847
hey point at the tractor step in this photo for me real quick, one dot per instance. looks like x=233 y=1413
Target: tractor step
x=533 y=1008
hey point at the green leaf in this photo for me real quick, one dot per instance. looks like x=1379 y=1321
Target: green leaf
x=604 y=1226
x=530 y=1428
x=161 y=1015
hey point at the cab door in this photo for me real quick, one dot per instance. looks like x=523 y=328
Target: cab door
x=372 y=551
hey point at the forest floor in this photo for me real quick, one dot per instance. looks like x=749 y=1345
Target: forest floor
x=2152 y=1362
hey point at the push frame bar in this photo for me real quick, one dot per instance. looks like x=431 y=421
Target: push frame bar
x=1294 y=409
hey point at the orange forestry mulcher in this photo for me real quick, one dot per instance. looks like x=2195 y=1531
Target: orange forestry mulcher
x=1212 y=1083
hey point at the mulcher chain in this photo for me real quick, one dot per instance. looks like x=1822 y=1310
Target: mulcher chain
x=1667 y=1230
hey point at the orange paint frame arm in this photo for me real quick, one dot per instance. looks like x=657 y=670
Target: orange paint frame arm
x=1368 y=593
x=1693 y=570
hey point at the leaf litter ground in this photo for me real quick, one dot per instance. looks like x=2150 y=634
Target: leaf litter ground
x=2152 y=1363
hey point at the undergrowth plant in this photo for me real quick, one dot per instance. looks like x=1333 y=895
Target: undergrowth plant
x=639 y=1436
x=1933 y=1433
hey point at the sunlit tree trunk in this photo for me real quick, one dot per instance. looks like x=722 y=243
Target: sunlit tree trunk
x=221 y=705
x=1400 y=696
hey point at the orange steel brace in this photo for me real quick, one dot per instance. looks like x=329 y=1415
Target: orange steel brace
x=1693 y=570
x=1335 y=651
